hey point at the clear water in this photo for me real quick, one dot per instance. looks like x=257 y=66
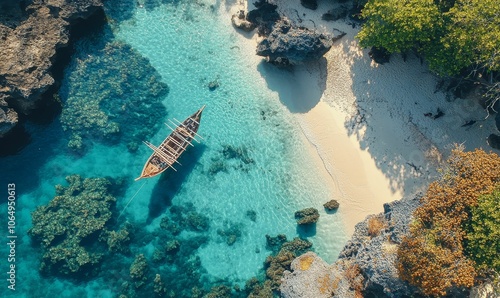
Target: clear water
x=251 y=158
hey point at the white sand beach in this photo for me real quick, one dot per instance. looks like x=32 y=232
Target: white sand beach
x=365 y=122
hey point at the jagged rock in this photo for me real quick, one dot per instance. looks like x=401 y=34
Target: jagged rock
x=264 y=16
x=494 y=141
x=331 y=205
x=311 y=4
x=239 y=21
x=8 y=118
x=29 y=45
x=293 y=45
x=307 y=216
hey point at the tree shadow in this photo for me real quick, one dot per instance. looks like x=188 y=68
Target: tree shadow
x=300 y=88
x=171 y=181
x=390 y=118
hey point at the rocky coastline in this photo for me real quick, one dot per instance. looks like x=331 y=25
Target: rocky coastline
x=31 y=35
x=366 y=264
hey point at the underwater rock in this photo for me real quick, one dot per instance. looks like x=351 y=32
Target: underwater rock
x=29 y=48
x=307 y=216
x=172 y=247
x=112 y=95
x=252 y=215
x=239 y=21
x=138 y=270
x=197 y=222
x=255 y=289
x=274 y=243
x=289 y=45
x=241 y=153
x=212 y=85
x=68 y=227
x=331 y=205
x=118 y=241
x=231 y=234
x=221 y=291
x=310 y=4
x=158 y=286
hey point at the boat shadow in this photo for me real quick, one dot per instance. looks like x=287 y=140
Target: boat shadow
x=170 y=182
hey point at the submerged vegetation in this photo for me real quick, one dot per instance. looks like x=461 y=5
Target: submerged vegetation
x=72 y=228
x=112 y=94
x=454 y=236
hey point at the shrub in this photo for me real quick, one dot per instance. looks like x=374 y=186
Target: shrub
x=432 y=256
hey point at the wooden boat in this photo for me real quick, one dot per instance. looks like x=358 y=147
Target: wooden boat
x=165 y=155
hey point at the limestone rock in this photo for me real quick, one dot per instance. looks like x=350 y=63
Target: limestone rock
x=331 y=205
x=30 y=39
x=307 y=216
x=8 y=118
x=290 y=45
x=239 y=21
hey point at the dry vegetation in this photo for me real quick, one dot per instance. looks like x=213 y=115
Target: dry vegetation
x=432 y=257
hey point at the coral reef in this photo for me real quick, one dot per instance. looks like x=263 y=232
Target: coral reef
x=69 y=226
x=138 y=271
x=114 y=94
x=231 y=233
x=30 y=39
x=307 y=216
x=219 y=292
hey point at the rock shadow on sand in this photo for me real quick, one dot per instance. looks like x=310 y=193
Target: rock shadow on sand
x=300 y=88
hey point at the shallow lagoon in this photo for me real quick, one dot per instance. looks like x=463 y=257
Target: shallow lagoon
x=251 y=161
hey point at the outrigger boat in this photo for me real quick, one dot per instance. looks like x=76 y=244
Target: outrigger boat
x=165 y=155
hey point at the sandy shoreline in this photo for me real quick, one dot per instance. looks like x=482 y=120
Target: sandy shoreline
x=365 y=122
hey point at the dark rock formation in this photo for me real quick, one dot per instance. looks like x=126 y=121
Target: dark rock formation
x=8 y=118
x=366 y=265
x=311 y=4
x=264 y=16
x=288 y=45
x=331 y=205
x=335 y=14
x=240 y=21
x=28 y=49
x=307 y=216
x=494 y=141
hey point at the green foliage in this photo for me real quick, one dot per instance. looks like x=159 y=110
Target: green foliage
x=399 y=25
x=452 y=35
x=483 y=233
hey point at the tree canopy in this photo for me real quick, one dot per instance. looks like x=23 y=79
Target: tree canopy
x=451 y=35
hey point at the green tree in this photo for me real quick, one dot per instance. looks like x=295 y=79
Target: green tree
x=399 y=25
x=451 y=35
x=483 y=232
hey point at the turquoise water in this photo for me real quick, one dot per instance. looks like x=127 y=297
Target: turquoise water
x=251 y=160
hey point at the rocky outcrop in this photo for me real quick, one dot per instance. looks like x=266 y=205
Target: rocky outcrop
x=289 y=45
x=331 y=205
x=240 y=21
x=28 y=49
x=365 y=265
x=307 y=216
x=8 y=118
x=264 y=16
x=310 y=4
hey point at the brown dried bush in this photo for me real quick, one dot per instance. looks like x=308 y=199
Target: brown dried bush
x=432 y=256
x=375 y=225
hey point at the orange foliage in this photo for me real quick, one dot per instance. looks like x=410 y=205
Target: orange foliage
x=432 y=257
